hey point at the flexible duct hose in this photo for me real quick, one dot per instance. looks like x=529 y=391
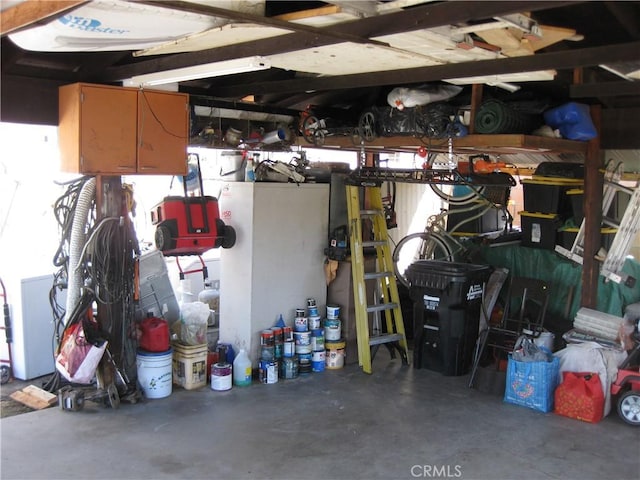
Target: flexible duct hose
x=76 y=244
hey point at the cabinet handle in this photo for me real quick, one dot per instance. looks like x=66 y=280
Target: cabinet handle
x=149 y=168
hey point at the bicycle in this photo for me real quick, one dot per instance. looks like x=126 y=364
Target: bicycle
x=438 y=243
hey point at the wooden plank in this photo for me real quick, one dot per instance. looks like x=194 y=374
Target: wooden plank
x=497 y=144
x=476 y=101
x=313 y=12
x=593 y=182
x=550 y=35
x=34 y=397
x=37 y=392
x=27 y=13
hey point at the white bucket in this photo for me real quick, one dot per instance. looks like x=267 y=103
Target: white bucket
x=545 y=340
x=154 y=373
x=232 y=166
x=332 y=330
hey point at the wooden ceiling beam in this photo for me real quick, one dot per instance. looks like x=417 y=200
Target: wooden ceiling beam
x=27 y=13
x=604 y=89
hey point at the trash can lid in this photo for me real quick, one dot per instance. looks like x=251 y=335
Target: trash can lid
x=438 y=273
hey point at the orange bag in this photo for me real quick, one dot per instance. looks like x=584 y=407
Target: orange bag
x=580 y=396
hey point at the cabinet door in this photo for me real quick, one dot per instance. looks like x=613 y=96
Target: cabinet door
x=163 y=130
x=107 y=130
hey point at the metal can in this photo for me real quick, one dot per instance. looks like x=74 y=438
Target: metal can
x=300 y=312
x=288 y=349
x=315 y=322
x=289 y=367
x=301 y=324
x=278 y=335
x=311 y=302
x=317 y=340
x=287 y=334
x=268 y=372
x=266 y=338
x=268 y=353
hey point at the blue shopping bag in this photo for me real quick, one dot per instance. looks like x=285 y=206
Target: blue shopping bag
x=532 y=384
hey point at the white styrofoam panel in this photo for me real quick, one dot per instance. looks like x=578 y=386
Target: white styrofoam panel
x=349 y=58
x=216 y=37
x=541 y=75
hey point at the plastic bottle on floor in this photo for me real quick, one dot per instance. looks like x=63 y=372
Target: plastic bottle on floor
x=242 y=369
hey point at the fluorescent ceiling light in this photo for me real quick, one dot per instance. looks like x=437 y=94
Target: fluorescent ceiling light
x=216 y=69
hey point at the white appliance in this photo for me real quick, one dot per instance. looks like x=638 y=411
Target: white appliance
x=32 y=322
x=277 y=261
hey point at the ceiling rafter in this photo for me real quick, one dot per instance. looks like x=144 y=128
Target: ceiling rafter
x=238 y=16
x=544 y=61
x=26 y=14
x=416 y=18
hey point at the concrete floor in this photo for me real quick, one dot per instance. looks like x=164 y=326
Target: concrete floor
x=397 y=423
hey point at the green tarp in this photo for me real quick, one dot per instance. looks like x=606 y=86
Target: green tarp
x=564 y=278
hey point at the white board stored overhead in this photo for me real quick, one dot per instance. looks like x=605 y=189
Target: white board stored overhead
x=112 y=25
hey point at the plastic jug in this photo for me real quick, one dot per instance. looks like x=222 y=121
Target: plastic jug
x=155 y=334
x=242 y=369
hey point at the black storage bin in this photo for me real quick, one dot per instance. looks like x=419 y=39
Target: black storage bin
x=539 y=230
x=492 y=220
x=447 y=299
x=576 y=196
x=549 y=195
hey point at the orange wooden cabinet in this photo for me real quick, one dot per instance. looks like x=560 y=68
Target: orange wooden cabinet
x=118 y=131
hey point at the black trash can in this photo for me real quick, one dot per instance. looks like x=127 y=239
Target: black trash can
x=447 y=298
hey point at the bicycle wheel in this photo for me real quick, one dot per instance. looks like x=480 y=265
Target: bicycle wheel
x=419 y=246
x=309 y=127
x=460 y=197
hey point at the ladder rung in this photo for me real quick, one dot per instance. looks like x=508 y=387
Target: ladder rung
x=374 y=243
x=382 y=307
x=385 y=338
x=369 y=276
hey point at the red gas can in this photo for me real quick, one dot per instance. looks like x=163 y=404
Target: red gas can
x=155 y=335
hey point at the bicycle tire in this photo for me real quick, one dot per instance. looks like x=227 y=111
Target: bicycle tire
x=457 y=199
x=434 y=247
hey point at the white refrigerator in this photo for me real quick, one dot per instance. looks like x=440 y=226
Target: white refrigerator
x=277 y=262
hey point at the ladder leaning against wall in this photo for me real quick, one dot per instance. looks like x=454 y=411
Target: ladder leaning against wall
x=389 y=302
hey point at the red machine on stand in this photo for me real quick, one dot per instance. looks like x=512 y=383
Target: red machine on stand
x=190 y=225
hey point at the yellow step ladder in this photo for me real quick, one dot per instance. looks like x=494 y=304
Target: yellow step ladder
x=394 y=338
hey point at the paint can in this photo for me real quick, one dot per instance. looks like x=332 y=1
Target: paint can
x=304 y=363
x=267 y=345
x=289 y=367
x=317 y=340
x=332 y=330
x=287 y=334
x=268 y=372
x=301 y=324
x=315 y=322
x=288 y=349
x=335 y=354
x=301 y=348
x=333 y=312
x=155 y=373
x=311 y=302
x=221 y=376
x=318 y=361
x=267 y=338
